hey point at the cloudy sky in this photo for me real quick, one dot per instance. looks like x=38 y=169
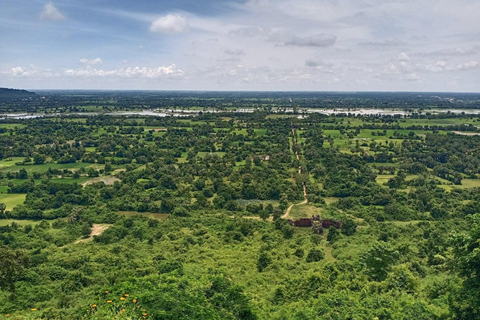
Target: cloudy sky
x=320 y=45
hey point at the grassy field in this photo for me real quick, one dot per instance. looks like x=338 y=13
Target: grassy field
x=159 y=216
x=11 y=125
x=11 y=200
x=9 y=166
x=7 y=222
x=466 y=184
x=10 y=162
x=304 y=211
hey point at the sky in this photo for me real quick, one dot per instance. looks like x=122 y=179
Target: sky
x=271 y=45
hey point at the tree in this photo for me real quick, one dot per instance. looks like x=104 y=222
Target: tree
x=22 y=174
x=108 y=167
x=349 y=227
x=379 y=259
x=3 y=206
x=264 y=215
x=12 y=267
x=38 y=158
x=263 y=261
x=315 y=255
x=467 y=261
x=333 y=234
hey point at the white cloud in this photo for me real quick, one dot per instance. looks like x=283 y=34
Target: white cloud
x=51 y=13
x=131 y=72
x=383 y=44
x=412 y=77
x=403 y=57
x=468 y=65
x=249 y=32
x=235 y=52
x=287 y=38
x=90 y=62
x=172 y=23
x=28 y=72
x=456 y=52
x=318 y=40
x=442 y=66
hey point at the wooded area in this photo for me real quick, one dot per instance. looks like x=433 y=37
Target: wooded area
x=137 y=217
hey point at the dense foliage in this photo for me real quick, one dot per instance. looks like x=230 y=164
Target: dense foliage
x=135 y=217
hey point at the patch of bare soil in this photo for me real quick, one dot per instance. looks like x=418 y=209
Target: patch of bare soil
x=108 y=180
x=97 y=229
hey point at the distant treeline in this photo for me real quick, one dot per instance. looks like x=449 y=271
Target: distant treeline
x=75 y=101
x=6 y=93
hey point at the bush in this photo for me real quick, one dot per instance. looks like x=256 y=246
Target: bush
x=315 y=255
x=263 y=261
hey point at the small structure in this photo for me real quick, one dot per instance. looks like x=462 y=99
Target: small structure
x=316 y=223
x=302 y=222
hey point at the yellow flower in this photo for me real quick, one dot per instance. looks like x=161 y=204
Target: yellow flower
x=34 y=309
x=94 y=305
x=145 y=314
x=126 y=294
x=134 y=300
x=106 y=291
x=8 y=314
x=122 y=298
x=109 y=301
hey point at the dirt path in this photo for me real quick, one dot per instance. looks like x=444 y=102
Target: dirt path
x=285 y=215
x=97 y=229
x=305 y=199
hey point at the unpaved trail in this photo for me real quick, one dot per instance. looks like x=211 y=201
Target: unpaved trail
x=305 y=199
x=285 y=215
x=97 y=229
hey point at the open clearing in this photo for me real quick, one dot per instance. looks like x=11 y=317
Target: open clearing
x=159 y=216
x=97 y=229
x=108 y=180
x=12 y=199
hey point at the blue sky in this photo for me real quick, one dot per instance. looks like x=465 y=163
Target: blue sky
x=402 y=45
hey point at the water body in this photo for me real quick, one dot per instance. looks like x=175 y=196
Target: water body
x=186 y=113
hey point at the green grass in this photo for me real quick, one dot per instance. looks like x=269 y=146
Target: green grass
x=11 y=125
x=9 y=162
x=304 y=211
x=203 y=154
x=7 y=222
x=13 y=199
x=331 y=200
x=159 y=216
x=383 y=178
x=42 y=168
x=466 y=184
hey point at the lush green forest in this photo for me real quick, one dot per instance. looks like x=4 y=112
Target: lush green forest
x=137 y=217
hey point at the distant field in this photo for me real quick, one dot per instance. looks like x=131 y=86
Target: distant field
x=383 y=178
x=12 y=199
x=7 y=222
x=11 y=125
x=466 y=184
x=9 y=162
x=42 y=168
x=159 y=216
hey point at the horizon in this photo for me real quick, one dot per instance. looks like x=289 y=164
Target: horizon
x=253 y=91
